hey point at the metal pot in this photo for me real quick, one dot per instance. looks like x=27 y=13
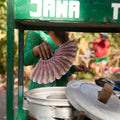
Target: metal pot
x=48 y=103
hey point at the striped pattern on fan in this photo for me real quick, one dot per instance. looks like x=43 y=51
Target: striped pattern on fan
x=47 y=71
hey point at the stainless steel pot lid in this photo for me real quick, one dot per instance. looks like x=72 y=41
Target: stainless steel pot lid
x=83 y=96
x=48 y=96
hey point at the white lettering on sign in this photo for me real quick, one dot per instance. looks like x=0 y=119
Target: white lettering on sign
x=116 y=7
x=48 y=6
x=62 y=11
x=56 y=8
x=74 y=7
x=38 y=13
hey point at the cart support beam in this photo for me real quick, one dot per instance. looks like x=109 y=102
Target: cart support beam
x=10 y=60
x=20 y=67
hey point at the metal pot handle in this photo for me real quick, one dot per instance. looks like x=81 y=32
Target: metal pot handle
x=25 y=103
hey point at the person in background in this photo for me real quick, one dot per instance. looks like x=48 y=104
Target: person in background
x=101 y=47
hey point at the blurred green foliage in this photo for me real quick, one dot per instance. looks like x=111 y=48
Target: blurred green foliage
x=3 y=47
x=3 y=15
x=3 y=43
x=3 y=28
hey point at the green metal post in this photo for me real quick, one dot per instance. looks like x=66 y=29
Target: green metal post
x=10 y=60
x=20 y=68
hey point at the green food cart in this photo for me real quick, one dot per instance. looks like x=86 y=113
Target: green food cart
x=62 y=15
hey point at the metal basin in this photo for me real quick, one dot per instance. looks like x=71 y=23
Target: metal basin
x=48 y=103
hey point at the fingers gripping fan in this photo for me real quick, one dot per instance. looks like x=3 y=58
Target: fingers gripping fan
x=47 y=71
x=84 y=97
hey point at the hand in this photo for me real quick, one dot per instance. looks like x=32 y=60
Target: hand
x=44 y=50
x=81 y=68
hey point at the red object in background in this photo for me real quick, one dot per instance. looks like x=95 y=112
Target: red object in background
x=111 y=69
x=114 y=69
x=106 y=68
x=92 y=65
x=117 y=70
x=102 y=47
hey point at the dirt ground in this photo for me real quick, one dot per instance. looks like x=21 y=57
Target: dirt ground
x=3 y=104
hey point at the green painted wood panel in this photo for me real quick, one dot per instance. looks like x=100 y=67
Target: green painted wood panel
x=69 y=11
x=10 y=61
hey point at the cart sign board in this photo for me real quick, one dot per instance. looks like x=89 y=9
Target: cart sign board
x=75 y=11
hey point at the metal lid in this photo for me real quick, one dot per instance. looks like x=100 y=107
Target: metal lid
x=84 y=97
x=48 y=96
